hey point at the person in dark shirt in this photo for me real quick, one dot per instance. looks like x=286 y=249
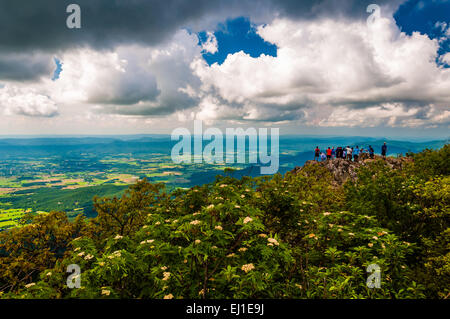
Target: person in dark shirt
x=371 y=152
x=384 y=150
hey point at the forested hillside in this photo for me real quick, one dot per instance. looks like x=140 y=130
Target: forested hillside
x=304 y=234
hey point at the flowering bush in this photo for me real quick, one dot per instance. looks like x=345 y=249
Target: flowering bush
x=293 y=236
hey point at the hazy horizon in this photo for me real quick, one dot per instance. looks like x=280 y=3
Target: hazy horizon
x=324 y=136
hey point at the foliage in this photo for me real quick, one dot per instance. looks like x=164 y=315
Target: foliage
x=124 y=215
x=430 y=163
x=293 y=236
x=26 y=251
x=415 y=206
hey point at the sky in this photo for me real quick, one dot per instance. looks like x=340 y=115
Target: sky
x=328 y=67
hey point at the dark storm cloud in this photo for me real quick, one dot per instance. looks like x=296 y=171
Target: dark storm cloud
x=26 y=25
x=310 y=9
x=29 y=26
x=42 y=24
x=25 y=67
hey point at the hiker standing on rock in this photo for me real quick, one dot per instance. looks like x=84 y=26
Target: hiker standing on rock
x=333 y=153
x=356 y=153
x=384 y=150
x=339 y=152
x=349 y=153
x=371 y=152
x=317 y=153
x=329 y=153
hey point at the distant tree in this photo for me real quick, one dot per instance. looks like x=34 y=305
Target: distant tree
x=432 y=162
x=123 y=216
x=34 y=246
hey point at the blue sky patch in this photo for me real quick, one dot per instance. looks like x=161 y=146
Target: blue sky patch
x=431 y=17
x=237 y=35
x=57 y=70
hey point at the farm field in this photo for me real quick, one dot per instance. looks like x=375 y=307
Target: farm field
x=10 y=217
x=64 y=174
x=46 y=175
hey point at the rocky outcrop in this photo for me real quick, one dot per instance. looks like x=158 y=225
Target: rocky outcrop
x=343 y=169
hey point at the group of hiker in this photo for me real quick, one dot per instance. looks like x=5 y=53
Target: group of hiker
x=348 y=153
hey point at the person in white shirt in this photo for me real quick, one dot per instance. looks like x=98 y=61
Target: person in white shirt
x=349 y=153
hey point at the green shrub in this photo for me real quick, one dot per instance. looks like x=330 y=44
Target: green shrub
x=294 y=236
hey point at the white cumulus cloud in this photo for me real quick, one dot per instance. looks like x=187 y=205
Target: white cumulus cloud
x=327 y=66
x=26 y=101
x=210 y=45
